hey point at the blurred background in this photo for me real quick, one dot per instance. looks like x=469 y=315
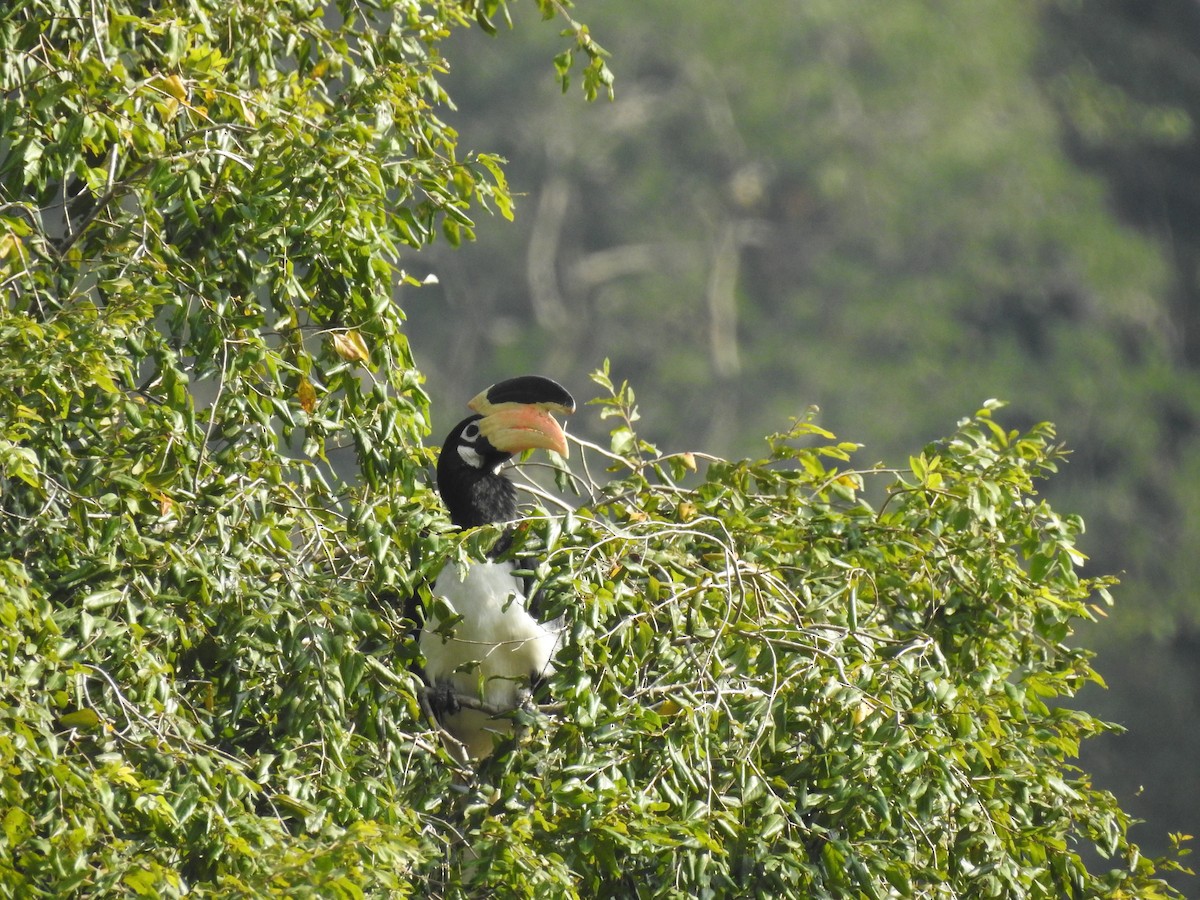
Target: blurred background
x=893 y=210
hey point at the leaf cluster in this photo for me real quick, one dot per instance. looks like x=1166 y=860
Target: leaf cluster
x=203 y=206
x=774 y=687
x=769 y=684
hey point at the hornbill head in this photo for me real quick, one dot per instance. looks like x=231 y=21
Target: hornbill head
x=510 y=417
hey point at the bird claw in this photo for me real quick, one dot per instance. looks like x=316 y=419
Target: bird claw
x=443 y=701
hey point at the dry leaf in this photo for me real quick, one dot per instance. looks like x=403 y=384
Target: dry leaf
x=351 y=346
x=307 y=394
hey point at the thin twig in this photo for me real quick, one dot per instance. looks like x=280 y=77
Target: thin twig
x=212 y=418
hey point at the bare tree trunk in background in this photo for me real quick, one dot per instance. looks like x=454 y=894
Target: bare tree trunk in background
x=541 y=260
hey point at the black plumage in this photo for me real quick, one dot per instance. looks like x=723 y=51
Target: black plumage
x=474 y=494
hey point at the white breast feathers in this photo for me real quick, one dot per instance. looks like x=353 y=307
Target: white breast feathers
x=491 y=653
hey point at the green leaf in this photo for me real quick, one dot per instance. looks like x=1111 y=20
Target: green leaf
x=82 y=718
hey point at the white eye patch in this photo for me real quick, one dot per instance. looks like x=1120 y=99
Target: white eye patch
x=471 y=431
x=469 y=456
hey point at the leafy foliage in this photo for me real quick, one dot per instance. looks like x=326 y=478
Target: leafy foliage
x=775 y=688
x=877 y=207
x=205 y=677
x=202 y=208
x=876 y=217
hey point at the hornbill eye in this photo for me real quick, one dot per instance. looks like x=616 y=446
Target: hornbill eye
x=471 y=432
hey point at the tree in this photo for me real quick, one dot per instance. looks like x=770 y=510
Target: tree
x=877 y=218
x=202 y=209
x=205 y=673
x=1122 y=85
x=867 y=205
x=1119 y=76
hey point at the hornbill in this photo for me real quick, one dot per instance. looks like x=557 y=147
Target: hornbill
x=491 y=648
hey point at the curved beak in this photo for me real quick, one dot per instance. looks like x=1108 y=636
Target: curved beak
x=513 y=427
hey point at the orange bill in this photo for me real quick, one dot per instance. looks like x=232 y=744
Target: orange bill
x=513 y=427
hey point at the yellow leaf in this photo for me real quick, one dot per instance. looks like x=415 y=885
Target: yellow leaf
x=669 y=707
x=174 y=86
x=18 y=825
x=351 y=346
x=307 y=395
x=247 y=112
x=103 y=378
x=124 y=775
x=861 y=711
x=142 y=882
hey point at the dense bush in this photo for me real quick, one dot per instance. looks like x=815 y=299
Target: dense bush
x=775 y=686
x=769 y=684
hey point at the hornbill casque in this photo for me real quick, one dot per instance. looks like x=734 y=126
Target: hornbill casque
x=492 y=649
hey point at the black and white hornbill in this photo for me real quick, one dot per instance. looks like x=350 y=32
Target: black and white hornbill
x=492 y=648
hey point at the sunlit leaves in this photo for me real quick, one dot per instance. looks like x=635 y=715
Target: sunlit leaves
x=846 y=698
x=769 y=684
x=350 y=346
x=202 y=210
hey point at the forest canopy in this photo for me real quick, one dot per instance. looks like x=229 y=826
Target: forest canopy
x=770 y=679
